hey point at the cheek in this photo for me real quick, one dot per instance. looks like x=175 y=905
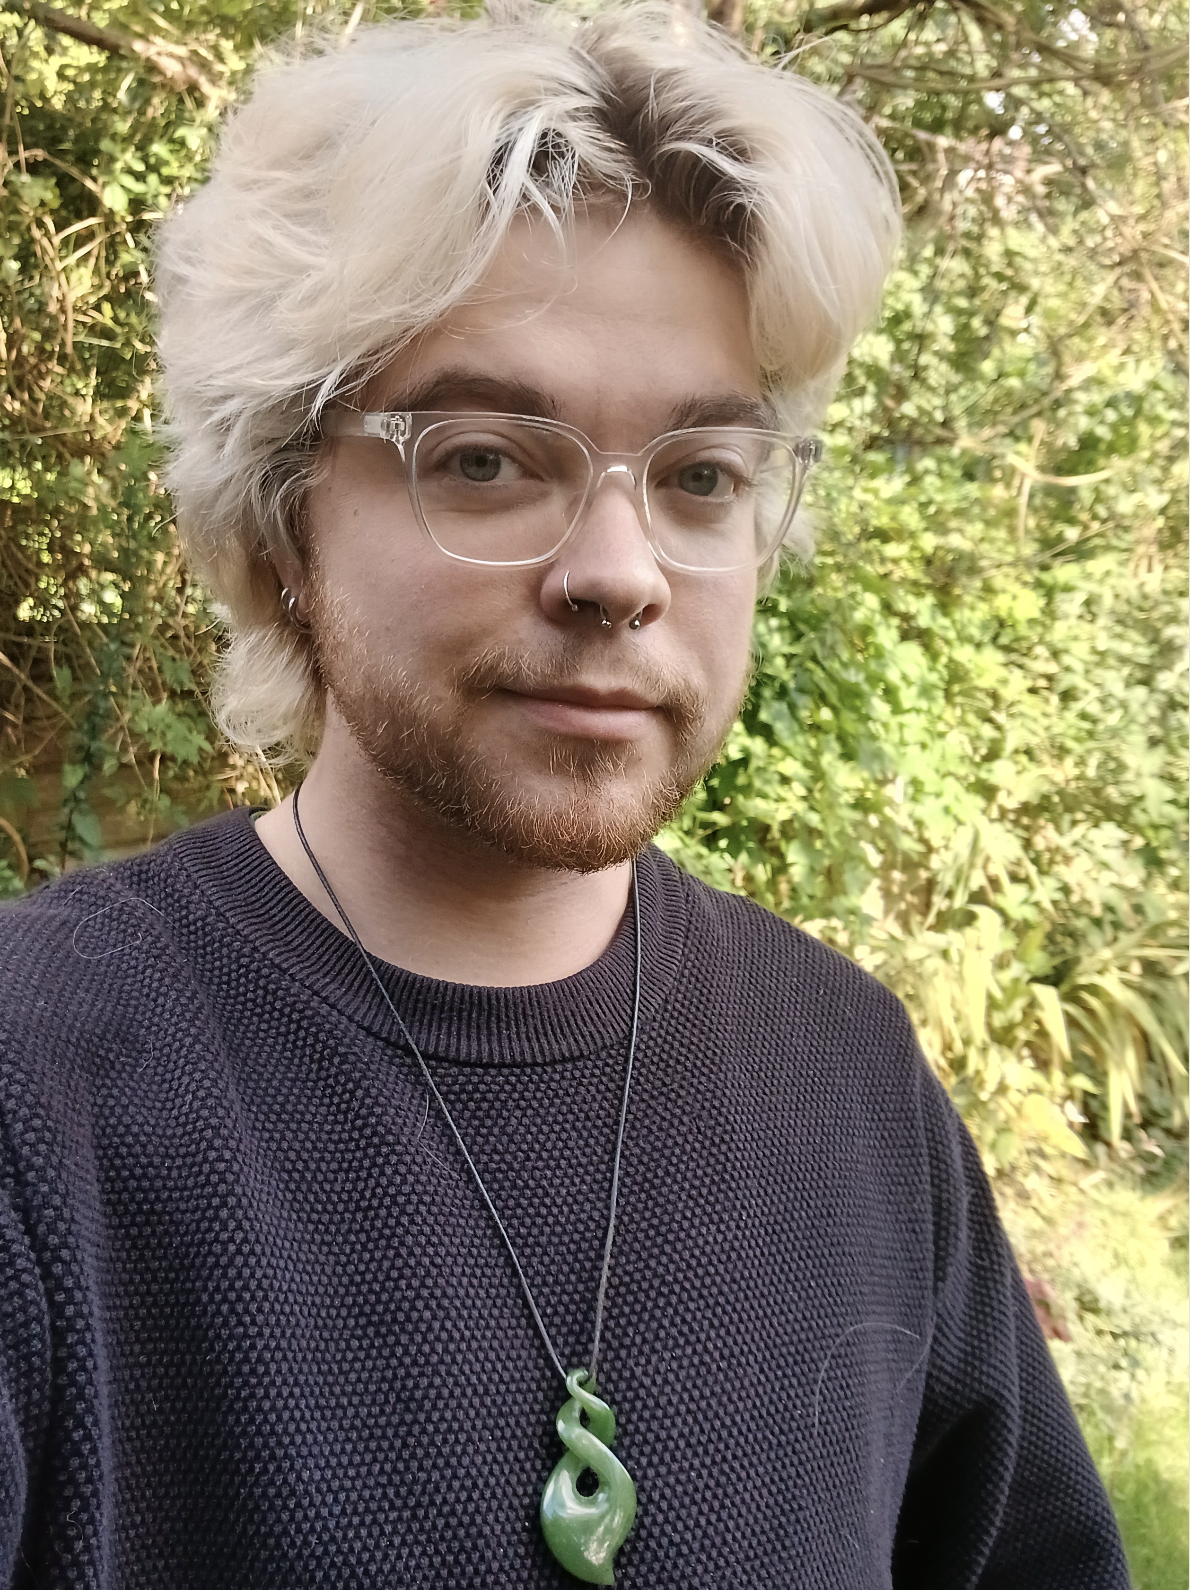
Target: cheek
x=724 y=639
x=400 y=595
x=359 y=519
x=369 y=554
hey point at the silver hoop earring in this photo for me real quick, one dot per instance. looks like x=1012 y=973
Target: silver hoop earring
x=573 y=606
x=289 y=601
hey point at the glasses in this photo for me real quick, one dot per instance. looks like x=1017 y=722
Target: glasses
x=508 y=490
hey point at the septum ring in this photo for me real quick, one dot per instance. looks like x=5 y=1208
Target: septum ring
x=604 y=621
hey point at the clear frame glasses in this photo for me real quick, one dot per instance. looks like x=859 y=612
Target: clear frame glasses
x=509 y=490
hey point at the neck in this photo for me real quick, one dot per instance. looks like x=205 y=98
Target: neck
x=427 y=896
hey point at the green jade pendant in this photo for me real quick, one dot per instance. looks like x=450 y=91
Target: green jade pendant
x=585 y=1532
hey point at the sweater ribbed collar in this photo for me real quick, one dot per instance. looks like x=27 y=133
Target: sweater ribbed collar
x=577 y=1016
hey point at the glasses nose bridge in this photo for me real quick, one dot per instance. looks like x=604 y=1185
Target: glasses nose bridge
x=605 y=464
x=627 y=470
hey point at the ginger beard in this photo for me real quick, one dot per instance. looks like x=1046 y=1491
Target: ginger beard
x=587 y=805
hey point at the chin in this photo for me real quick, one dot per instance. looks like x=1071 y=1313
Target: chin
x=574 y=839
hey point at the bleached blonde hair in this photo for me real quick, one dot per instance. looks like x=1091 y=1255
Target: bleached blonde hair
x=361 y=193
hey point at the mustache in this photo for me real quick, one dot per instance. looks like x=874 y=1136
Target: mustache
x=574 y=662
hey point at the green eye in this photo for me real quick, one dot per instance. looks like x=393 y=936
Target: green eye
x=702 y=480
x=479 y=464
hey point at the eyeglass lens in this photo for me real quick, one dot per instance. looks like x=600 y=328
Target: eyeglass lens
x=499 y=490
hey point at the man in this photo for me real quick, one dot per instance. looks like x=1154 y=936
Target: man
x=427 y=1184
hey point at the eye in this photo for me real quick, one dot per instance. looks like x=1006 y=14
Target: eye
x=708 y=480
x=479 y=460
x=479 y=464
x=705 y=479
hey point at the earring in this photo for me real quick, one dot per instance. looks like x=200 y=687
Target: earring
x=573 y=606
x=289 y=601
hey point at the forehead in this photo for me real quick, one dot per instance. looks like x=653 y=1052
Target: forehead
x=617 y=328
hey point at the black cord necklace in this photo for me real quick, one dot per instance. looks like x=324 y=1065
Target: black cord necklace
x=584 y=1532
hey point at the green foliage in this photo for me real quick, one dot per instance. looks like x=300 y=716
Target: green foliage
x=1112 y=1258
x=104 y=642
x=97 y=615
x=963 y=759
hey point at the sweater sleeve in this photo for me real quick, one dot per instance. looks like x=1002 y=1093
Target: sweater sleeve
x=24 y=1382
x=1001 y=1491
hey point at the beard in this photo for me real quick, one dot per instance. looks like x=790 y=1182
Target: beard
x=590 y=804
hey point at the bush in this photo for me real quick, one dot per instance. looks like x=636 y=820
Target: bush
x=1111 y=1254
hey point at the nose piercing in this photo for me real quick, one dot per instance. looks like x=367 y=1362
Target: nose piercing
x=604 y=621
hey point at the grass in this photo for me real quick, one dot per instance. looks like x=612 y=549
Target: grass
x=1146 y=1480
x=1112 y=1249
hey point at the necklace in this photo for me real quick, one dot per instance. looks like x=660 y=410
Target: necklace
x=583 y=1528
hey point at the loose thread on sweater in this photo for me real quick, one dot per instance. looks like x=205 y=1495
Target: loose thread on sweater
x=117 y=949
x=865 y=1325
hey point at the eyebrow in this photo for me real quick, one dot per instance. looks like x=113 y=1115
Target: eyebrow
x=723 y=408
x=468 y=389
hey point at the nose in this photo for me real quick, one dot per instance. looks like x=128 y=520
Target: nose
x=606 y=567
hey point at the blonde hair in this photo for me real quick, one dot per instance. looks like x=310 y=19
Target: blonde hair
x=362 y=191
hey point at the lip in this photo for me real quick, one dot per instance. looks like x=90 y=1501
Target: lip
x=592 y=696
x=589 y=712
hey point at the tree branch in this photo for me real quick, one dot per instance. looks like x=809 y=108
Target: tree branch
x=729 y=14
x=828 y=19
x=17 y=844
x=1105 y=74
x=174 y=66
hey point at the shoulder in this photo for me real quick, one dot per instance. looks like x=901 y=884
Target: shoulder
x=816 y=1027
x=782 y=967
x=826 y=1054
x=789 y=1016
x=81 y=957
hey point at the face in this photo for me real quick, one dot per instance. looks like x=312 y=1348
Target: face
x=561 y=711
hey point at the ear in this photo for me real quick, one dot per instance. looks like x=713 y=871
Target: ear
x=288 y=570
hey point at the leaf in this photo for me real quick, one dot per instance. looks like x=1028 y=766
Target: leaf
x=85 y=824
x=1041 y=1117
x=1049 y=1002
x=978 y=956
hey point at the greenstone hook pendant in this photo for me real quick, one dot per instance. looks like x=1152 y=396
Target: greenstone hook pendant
x=585 y=1532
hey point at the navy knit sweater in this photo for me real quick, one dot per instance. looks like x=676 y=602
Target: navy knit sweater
x=257 y=1329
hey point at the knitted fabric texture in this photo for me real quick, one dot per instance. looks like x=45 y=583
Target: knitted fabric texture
x=257 y=1328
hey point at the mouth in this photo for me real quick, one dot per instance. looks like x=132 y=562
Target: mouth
x=587 y=711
